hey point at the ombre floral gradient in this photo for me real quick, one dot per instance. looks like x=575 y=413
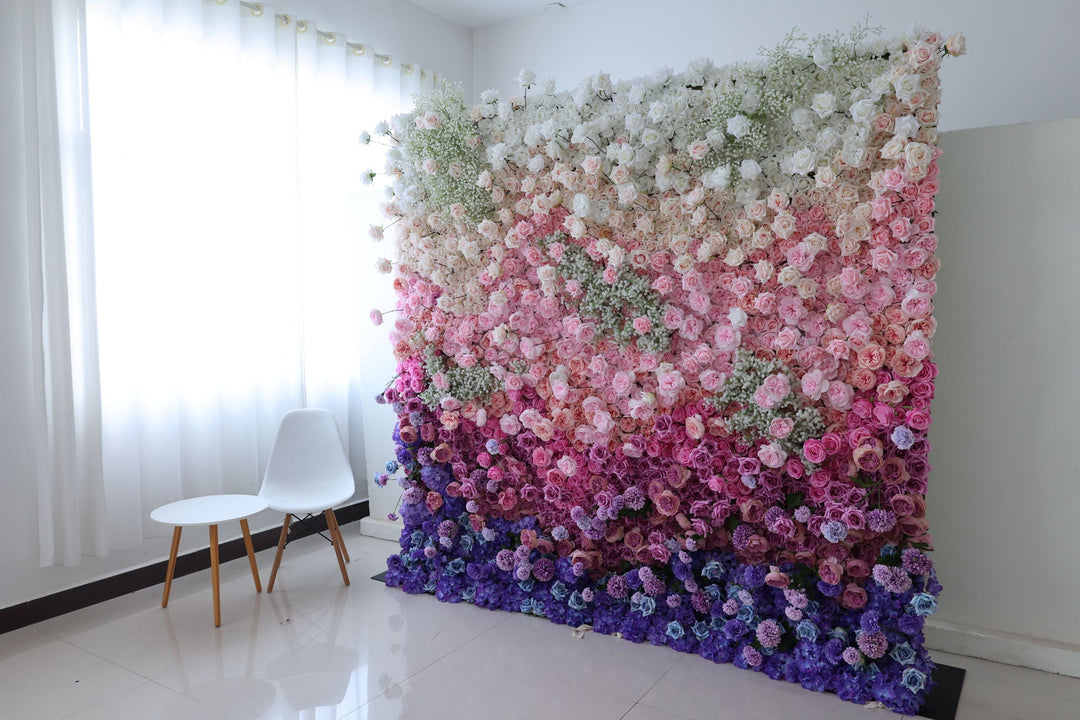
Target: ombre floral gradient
x=664 y=358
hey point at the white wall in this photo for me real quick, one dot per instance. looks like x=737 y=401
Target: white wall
x=1021 y=66
x=1005 y=490
x=399 y=28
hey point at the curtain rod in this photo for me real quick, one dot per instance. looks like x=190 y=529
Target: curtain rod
x=330 y=38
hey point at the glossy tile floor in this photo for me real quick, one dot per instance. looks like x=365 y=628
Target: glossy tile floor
x=315 y=649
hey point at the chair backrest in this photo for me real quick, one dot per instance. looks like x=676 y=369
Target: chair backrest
x=308 y=466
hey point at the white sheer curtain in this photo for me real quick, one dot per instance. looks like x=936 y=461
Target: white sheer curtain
x=227 y=251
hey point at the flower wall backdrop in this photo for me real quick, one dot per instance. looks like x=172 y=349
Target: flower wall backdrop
x=665 y=356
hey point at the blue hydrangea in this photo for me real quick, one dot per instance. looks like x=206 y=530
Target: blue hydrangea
x=924 y=604
x=492 y=446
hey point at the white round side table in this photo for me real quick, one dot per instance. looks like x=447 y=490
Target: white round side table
x=209 y=510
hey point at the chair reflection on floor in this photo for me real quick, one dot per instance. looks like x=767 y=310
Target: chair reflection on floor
x=316 y=672
x=227 y=698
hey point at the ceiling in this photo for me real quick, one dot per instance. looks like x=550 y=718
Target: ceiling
x=478 y=13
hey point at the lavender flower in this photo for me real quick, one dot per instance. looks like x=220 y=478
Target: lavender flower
x=834 y=531
x=902 y=437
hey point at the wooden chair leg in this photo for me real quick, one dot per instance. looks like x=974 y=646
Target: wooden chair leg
x=337 y=546
x=172 y=565
x=337 y=530
x=251 y=554
x=280 y=549
x=215 y=575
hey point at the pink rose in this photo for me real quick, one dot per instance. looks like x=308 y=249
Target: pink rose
x=853 y=597
x=695 y=428
x=814 y=384
x=839 y=395
x=771 y=455
x=830 y=571
x=726 y=338
x=780 y=428
x=642 y=325
x=814 y=451
x=917 y=419
x=777 y=386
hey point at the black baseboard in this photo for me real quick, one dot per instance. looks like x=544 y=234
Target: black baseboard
x=65 y=601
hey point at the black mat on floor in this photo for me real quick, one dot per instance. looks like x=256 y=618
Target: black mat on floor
x=941 y=703
x=943 y=700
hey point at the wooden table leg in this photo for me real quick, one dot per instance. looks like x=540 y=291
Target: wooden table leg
x=337 y=546
x=172 y=565
x=251 y=554
x=214 y=575
x=280 y=549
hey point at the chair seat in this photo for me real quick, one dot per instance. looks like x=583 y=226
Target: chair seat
x=300 y=503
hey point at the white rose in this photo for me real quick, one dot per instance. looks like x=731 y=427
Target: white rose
x=718 y=178
x=616 y=256
x=824 y=104
x=650 y=137
x=749 y=169
x=803 y=161
x=489 y=96
x=698 y=149
x=735 y=257
x=657 y=111
x=862 y=111
x=738 y=125
x=737 y=317
x=893 y=149
x=383 y=266
x=823 y=55
x=536 y=164
x=788 y=276
x=582 y=205
x=635 y=123
x=526 y=78
x=803 y=119
x=620 y=175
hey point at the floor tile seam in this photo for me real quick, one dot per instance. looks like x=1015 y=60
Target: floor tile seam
x=115 y=664
x=102 y=701
x=450 y=652
x=657 y=682
x=670 y=713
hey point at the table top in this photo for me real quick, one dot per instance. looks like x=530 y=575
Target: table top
x=209 y=509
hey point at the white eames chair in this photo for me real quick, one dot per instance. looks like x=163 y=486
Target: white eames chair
x=308 y=473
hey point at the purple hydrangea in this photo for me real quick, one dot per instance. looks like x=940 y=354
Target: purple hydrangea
x=852 y=656
x=504 y=560
x=902 y=437
x=880 y=520
x=769 y=633
x=834 y=531
x=916 y=562
x=873 y=644
x=893 y=579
